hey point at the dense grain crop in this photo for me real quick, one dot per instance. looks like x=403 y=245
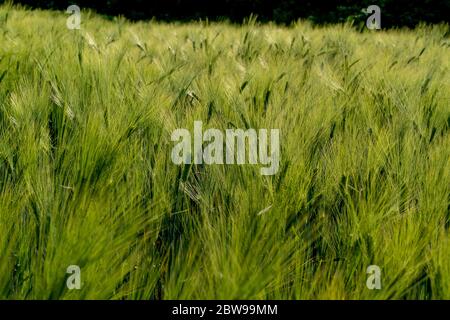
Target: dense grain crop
x=86 y=176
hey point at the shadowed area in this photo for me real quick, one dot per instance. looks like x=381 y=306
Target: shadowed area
x=394 y=12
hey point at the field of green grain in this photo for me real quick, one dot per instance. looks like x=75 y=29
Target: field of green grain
x=86 y=176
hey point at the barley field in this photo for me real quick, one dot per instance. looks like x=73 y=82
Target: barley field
x=87 y=180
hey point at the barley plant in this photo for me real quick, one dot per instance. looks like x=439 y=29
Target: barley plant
x=86 y=176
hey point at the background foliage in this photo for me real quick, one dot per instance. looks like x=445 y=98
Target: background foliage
x=394 y=12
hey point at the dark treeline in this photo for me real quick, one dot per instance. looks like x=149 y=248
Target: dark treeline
x=394 y=12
